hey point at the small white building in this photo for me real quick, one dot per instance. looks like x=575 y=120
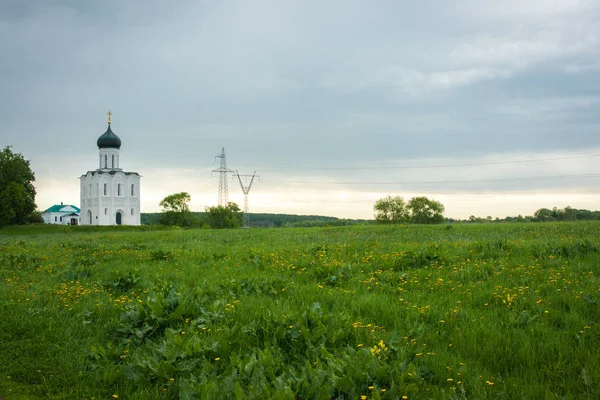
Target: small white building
x=109 y=195
x=61 y=214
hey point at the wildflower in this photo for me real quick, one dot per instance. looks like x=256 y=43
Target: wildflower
x=363 y=397
x=405 y=397
x=490 y=383
x=217 y=359
x=371 y=387
x=360 y=345
x=114 y=396
x=450 y=380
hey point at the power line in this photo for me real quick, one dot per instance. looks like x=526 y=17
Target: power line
x=433 y=166
x=531 y=178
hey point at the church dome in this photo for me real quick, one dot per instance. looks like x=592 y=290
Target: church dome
x=109 y=140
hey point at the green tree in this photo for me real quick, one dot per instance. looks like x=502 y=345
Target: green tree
x=176 y=209
x=219 y=217
x=543 y=215
x=425 y=211
x=391 y=210
x=36 y=217
x=17 y=193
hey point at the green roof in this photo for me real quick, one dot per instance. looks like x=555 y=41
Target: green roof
x=58 y=207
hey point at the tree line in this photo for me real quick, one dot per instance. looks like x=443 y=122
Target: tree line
x=418 y=210
x=176 y=212
x=542 y=215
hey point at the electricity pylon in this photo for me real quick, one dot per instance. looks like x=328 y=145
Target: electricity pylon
x=223 y=171
x=246 y=189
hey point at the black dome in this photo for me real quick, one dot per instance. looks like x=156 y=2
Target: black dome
x=109 y=140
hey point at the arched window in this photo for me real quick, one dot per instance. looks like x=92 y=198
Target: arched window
x=105 y=189
x=90 y=193
x=105 y=161
x=132 y=190
x=113 y=161
x=132 y=211
x=106 y=211
x=119 y=189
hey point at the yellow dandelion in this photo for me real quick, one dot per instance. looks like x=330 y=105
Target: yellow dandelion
x=217 y=359
x=371 y=387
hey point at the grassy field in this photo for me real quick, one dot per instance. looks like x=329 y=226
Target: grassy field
x=379 y=312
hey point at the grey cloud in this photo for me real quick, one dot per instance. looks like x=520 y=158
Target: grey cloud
x=300 y=83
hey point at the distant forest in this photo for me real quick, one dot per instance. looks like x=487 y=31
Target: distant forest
x=306 y=221
x=273 y=220
x=543 y=215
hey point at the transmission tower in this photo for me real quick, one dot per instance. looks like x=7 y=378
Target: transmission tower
x=246 y=189
x=223 y=171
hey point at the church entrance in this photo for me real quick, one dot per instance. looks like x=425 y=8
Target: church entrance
x=119 y=216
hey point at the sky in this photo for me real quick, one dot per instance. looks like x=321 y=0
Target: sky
x=491 y=107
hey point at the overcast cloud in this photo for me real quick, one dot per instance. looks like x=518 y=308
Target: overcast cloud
x=330 y=101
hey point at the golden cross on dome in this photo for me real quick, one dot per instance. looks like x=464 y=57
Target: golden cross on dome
x=109 y=114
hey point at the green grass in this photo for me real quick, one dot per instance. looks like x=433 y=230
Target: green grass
x=465 y=311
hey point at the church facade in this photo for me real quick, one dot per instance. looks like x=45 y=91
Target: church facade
x=109 y=195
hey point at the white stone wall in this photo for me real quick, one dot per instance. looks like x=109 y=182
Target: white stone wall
x=108 y=159
x=104 y=205
x=57 y=217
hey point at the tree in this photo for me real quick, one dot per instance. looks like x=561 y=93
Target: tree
x=176 y=209
x=219 y=217
x=17 y=193
x=425 y=211
x=391 y=210
x=543 y=214
x=569 y=214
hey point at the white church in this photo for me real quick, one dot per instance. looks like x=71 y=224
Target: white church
x=109 y=195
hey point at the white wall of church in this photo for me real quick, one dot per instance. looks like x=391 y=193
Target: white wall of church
x=108 y=158
x=105 y=194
